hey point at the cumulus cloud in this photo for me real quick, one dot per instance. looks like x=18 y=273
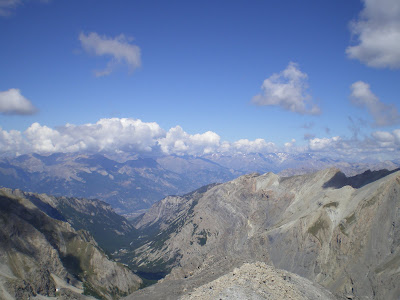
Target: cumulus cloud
x=379 y=145
x=112 y=135
x=377 y=33
x=122 y=136
x=118 y=48
x=288 y=89
x=383 y=114
x=13 y=103
x=289 y=145
x=12 y=142
x=128 y=136
x=387 y=139
x=257 y=146
x=180 y=142
x=323 y=144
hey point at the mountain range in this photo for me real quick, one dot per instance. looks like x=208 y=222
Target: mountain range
x=322 y=235
x=45 y=252
x=132 y=184
x=340 y=232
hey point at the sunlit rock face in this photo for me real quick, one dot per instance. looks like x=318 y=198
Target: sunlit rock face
x=341 y=232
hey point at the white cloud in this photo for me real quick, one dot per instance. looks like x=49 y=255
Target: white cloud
x=12 y=102
x=135 y=136
x=122 y=135
x=323 y=144
x=290 y=144
x=112 y=135
x=119 y=48
x=257 y=146
x=378 y=34
x=288 y=89
x=180 y=142
x=383 y=136
x=383 y=114
x=381 y=145
x=387 y=139
x=12 y=142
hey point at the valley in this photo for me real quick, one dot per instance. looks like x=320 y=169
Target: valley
x=199 y=150
x=132 y=183
x=341 y=232
x=334 y=236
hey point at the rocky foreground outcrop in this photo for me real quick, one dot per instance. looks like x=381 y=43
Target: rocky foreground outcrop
x=45 y=257
x=259 y=281
x=340 y=232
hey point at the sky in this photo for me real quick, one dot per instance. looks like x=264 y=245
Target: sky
x=200 y=77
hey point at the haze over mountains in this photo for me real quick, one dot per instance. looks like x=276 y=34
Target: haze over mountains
x=133 y=183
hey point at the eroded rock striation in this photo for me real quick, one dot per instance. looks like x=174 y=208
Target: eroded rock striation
x=340 y=232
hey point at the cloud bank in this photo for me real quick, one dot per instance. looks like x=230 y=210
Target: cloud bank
x=288 y=90
x=383 y=114
x=119 y=49
x=377 y=34
x=132 y=136
x=177 y=141
x=13 y=103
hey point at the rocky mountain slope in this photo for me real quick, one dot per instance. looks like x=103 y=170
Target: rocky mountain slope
x=110 y=230
x=259 y=281
x=341 y=232
x=134 y=183
x=42 y=254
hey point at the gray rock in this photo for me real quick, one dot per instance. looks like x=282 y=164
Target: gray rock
x=34 y=247
x=343 y=233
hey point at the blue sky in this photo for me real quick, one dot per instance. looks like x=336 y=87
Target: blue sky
x=322 y=73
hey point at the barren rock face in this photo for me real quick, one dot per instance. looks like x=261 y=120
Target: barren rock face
x=343 y=233
x=259 y=281
x=39 y=254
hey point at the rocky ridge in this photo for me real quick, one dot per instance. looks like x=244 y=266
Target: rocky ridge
x=259 y=281
x=341 y=232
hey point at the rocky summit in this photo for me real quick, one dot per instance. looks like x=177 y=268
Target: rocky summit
x=259 y=281
x=339 y=232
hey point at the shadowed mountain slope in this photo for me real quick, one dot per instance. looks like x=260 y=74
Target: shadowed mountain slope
x=42 y=254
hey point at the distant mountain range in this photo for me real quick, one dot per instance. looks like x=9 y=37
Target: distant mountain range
x=133 y=184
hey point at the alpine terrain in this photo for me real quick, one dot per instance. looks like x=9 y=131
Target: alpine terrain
x=340 y=234
x=44 y=254
x=131 y=184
